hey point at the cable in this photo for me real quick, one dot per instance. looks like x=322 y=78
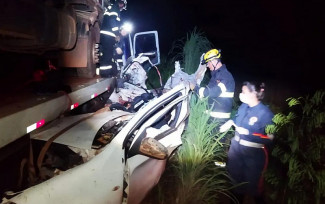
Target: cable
x=158 y=75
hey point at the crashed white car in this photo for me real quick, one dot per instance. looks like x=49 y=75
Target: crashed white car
x=127 y=167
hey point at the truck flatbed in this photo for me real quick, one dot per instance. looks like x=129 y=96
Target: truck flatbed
x=24 y=111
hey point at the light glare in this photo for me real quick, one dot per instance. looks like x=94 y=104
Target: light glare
x=128 y=27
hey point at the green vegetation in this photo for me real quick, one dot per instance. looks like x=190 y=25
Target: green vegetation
x=199 y=180
x=191 y=176
x=297 y=172
x=190 y=49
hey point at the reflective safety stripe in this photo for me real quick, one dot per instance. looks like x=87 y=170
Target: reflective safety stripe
x=201 y=92
x=119 y=60
x=222 y=87
x=227 y=95
x=248 y=143
x=115 y=29
x=118 y=19
x=97 y=71
x=111 y=13
x=105 y=67
x=224 y=93
x=218 y=114
x=107 y=33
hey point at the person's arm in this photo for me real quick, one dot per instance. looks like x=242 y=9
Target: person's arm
x=213 y=89
x=257 y=133
x=232 y=121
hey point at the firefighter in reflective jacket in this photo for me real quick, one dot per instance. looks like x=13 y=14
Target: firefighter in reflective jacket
x=248 y=156
x=220 y=90
x=109 y=31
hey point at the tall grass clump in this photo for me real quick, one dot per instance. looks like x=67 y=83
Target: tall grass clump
x=198 y=179
x=296 y=172
x=190 y=49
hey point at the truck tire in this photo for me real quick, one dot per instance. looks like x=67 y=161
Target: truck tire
x=90 y=70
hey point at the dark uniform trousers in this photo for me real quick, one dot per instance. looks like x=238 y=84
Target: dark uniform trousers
x=248 y=155
x=107 y=64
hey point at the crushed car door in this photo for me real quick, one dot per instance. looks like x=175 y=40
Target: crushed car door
x=164 y=122
x=159 y=124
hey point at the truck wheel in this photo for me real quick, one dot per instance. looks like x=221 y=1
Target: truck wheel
x=90 y=70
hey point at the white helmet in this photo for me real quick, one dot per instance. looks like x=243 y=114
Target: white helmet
x=124 y=2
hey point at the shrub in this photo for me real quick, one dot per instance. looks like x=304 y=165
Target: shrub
x=297 y=171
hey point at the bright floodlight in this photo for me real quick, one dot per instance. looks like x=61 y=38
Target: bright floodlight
x=128 y=27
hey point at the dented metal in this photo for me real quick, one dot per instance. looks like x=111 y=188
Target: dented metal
x=117 y=173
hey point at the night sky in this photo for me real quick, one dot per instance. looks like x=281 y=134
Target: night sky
x=279 y=40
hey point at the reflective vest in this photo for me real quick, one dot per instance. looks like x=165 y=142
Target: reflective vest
x=220 y=93
x=111 y=21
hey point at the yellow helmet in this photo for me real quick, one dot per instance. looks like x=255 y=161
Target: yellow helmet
x=210 y=55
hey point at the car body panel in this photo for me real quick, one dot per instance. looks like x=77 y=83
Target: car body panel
x=104 y=178
x=83 y=128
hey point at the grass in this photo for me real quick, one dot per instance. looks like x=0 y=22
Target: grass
x=296 y=169
x=200 y=181
x=191 y=176
x=189 y=50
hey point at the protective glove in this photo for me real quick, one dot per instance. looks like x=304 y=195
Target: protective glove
x=118 y=51
x=201 y=58
x=226 y=126
x=199 y=74
x=242 y=131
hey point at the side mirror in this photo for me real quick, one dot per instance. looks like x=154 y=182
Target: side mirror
x=152 y=148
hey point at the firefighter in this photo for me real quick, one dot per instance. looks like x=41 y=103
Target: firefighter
x=248 y=156
x=120 y=47
x=220 y=89
x=110 y=30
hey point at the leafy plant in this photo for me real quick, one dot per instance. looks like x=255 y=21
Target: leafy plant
x=297 y=171
x=190 y=49
x=191 y=175
x=200 y=181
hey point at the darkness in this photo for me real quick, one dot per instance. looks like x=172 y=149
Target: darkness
x=278 y=41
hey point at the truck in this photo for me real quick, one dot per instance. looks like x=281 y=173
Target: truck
x=64 y=33
x=65 y=30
